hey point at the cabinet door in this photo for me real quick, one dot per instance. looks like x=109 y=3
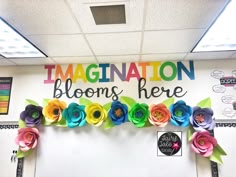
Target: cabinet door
x=8 y=148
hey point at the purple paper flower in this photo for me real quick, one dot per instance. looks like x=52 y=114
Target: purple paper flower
x=32 y=115
x=202 y=119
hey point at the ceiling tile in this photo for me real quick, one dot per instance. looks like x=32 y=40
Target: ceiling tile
x=115 y=43
x=61 y=45
x=39 y=17
x=118 y=59
x=32 y=61
x=134 y=16
x=170 y=41
x=65 y=60
x=5 y=62
x=182 y=14
x=208 y=55
x=160 y=57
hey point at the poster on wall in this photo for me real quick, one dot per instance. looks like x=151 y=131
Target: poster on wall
x=5 y=93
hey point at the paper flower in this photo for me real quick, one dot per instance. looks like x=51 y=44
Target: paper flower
x=53 y=110
x=139 y=114
x=74 y=115
x=159 y=115
x=203 y=143
x=118 y=113
x=96 y=114
x=202 y=119
x=27 y=138
x=32 y=115
x=180 y=113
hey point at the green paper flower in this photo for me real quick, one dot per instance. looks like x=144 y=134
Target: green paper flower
x=139 y=114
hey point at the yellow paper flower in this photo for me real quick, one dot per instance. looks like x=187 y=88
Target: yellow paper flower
x=96 y=114
x=53 y=110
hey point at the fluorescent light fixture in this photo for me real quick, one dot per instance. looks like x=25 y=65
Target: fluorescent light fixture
x=222 y=34
x=14 y=45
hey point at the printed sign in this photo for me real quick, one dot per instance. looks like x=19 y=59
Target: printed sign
x=5 y=92
x=169 y=144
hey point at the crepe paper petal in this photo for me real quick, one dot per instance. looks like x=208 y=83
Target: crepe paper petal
x=169 y=102
x=84 y=101
x=21 y=123
x=28 y=101
x=107 y=106
x=128 y=101
x=185 y=124
x=206 y=103
x=108 y=124
x=21 y=154
x=190 y=132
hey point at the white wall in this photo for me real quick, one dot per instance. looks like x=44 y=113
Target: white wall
x=125 y=149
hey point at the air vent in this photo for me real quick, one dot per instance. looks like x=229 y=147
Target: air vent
x=107 y=15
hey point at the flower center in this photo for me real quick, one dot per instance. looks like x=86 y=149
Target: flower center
x=97 y=114
x=158 y=115
x=200 y=118
x=35 y=115
x=178 y=113
x=201 y=142
x=56 y=111
x=118 y=112
x=139 y=114
x=76 y=114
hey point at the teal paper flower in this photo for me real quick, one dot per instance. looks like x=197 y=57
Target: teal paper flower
x=74 y=115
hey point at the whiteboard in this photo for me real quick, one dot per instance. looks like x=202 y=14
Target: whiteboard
x=225 y=135
x=123 y=151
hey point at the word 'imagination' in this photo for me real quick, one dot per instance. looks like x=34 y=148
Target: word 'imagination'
x=93 y=73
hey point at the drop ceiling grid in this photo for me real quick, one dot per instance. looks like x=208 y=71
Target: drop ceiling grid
x=170 y=41
x=115 y=43
x=182 y=14
x=32 y=61
x=134 y=10
x=62 y=45
x=39 y=17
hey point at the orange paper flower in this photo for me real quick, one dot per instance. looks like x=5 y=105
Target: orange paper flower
x=53 y=110
x=159 y=115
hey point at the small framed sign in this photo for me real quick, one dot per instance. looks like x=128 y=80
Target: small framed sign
x=5 y=94
x=169 y=143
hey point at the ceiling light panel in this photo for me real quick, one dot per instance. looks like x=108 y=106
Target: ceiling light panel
x=221 y=36
x=14 y=45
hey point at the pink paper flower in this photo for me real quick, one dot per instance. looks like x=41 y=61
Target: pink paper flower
x=27 y=138
x=203 y=143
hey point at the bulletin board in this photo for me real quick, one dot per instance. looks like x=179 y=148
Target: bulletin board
x=123 y=150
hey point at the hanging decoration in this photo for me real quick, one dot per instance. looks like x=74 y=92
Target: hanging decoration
x=198 y=119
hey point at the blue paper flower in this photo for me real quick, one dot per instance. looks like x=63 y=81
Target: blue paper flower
x=202 y=119
x=74 y=115
x=118 y=113
x=180 y=113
